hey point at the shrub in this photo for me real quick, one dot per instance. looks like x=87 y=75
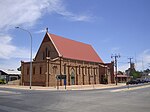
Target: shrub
x=2 y=81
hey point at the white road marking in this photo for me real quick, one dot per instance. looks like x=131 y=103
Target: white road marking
x=126 y=89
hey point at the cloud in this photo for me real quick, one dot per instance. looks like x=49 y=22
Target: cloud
x=9 y=64
x=10 y=55
x=18 y=12
x=79 y=18
x=73 y=17
x=27 y=12
x=60 y=8
x=142 y=61
x=5 y=47
x=8 y=50
x=40 y=31
x=146 y=55
x=123 y=67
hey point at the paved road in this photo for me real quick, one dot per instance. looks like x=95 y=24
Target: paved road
x=12 y=100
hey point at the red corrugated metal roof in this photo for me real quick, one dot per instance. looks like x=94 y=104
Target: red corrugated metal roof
x=74 y=50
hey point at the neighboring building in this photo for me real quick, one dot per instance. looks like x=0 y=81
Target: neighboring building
x=59 y=56
x=10 y=75
x=145 y=75
x=131 y=69
x=123 y=78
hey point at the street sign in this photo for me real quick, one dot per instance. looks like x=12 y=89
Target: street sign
x=61 y=77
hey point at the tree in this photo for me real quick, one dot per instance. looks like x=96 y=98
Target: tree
x=147 y=71
x=135 y=74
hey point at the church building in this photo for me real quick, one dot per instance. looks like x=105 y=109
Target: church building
x=62 y=61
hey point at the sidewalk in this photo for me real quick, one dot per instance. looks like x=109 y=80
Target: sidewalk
x=72 y=87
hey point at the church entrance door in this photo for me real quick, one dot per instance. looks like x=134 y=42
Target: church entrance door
x=72 y=77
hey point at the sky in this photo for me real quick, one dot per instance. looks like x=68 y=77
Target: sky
x=112 y=27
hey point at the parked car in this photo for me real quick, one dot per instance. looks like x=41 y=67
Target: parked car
x=132 y=82
x=145 y=81
x=138 y=81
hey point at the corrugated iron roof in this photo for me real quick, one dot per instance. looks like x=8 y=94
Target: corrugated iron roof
x=71 y=49
x=12 y=72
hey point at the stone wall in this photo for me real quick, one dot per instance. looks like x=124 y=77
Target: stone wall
x=44 y=72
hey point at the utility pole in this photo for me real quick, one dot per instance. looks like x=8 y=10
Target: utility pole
x=130 y=61
x=116 y=56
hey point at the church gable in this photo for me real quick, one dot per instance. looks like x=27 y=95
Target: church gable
x=46 y=49
x=54 y=46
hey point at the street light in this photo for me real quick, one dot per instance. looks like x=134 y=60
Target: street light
x=30 y=54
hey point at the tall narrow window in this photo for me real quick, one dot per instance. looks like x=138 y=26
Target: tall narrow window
x=95 y=70
x=72 y=77
x=49 y=53
x=89 y=75
x=43 y=55
x=27 y=70
x=33 y=70
x=88 y=70
x=94 y=75
x=82 y=70
x=40 y=70
x=79 y=68
x=46 y=50
x=64 y=68
x=85 y=70
x=83 y=75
